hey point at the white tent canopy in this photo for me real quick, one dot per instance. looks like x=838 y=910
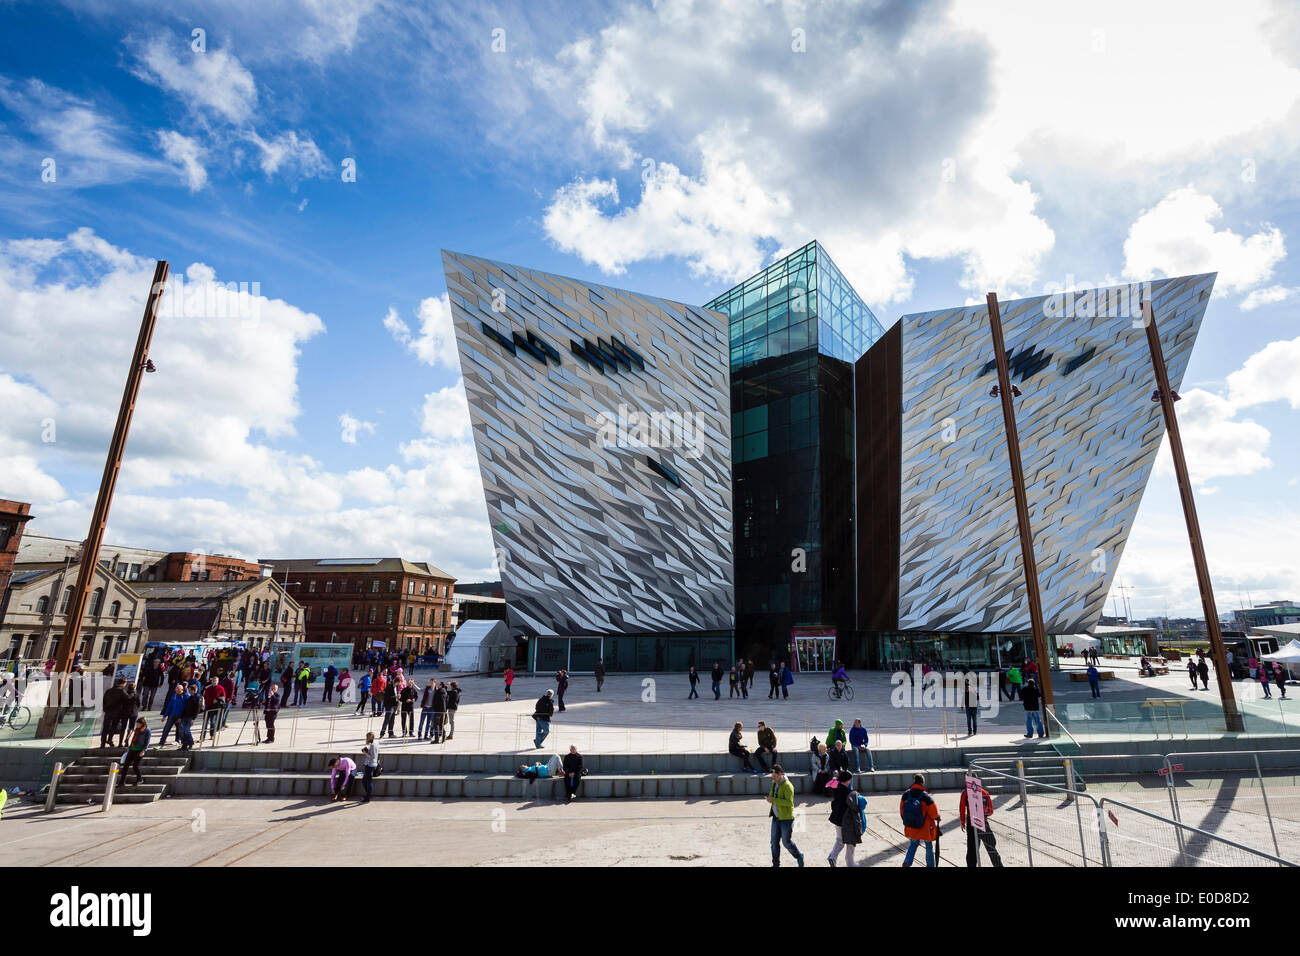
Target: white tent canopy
x=1288 y=654
x=479 y=643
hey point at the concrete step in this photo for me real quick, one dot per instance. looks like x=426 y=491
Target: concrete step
x=506 y=786
x=96 y=799
x=255 y=760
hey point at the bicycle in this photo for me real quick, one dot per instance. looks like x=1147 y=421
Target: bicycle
x=840 y=693
x=17 y=718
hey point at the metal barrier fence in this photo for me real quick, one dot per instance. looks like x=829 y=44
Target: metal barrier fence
x=1049 y=825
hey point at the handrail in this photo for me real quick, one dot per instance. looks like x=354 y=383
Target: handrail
x=1198 y=831
x=64 y=737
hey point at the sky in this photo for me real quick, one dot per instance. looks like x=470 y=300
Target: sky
x=317 y=155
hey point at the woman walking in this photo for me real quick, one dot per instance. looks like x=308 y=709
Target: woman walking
x=135 y=753
x=510 y=679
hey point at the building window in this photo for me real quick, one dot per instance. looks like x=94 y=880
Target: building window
x=96 y=600
x=42 y=604
x=374 y=586
x=115 y=610
x=67 y=599
x=311 y=586
x=240 y=615
x=408 y=615
x=370 y=619
x=356 y=614
x=421 y=617
x=106 y=647
x=284 y=616
x=338 y=614
x=307 y=614
x=33 y=647
x=422 y=584
x=359 y=587
x=275 y=610
x=6 y=529
x=410 y=587
x=388 y=614
x=121 y=569
x=392 y=587
x=257 y=609
x=329 y=587
x=121 y=645
x=134 y=574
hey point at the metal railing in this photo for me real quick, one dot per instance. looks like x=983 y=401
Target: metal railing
x=1066 y=826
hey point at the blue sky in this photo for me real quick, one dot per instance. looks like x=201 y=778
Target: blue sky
x=938 y=150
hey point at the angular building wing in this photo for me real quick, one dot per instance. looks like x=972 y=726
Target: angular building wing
x=601 y=423
x=941 y=552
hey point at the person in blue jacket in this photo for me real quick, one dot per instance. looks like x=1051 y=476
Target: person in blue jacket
x=858 y=743
x=787 y=678
x=363 y=692
x=172 y=710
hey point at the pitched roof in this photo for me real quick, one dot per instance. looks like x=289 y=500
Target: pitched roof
x=355 y=565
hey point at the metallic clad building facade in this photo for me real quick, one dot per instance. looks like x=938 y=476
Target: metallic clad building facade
x=1089 y=433
x=601 y=423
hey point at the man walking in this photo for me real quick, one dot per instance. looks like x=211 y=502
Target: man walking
x=787 y=679
x=453 y=702
x=542 y=713
x=330 y=673
x=600 y=674
x=717 y=681
x=1013 y=681
x=773 y=682
x=920 y=817
x=1094 y=681
x=173 y=707
x=780 y=798
x=1033 y=719
x=974 y=833
x=694 y=678
x=972 y=708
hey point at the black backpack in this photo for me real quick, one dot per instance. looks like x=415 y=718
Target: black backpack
x=814 y=744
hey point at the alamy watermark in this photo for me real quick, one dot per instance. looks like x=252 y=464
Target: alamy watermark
x=630 y=428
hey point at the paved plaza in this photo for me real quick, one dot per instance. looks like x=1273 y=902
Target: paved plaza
x=714 y=832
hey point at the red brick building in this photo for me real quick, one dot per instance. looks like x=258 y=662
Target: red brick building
x=13 y=515
x=196 y=566
x=405 y=604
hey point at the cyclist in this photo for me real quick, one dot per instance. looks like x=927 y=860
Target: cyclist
x=10 y=695
x=839 y=677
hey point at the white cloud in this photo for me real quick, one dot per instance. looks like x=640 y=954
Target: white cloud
x=887 y=157
x=211 y=81
x=436 y=342
x=1271 y=374
x=293 y=156
x=1269 y=296
x=351 y=426
x=714 y=222
x=79 y=299
x=186 y=152
x=1177 y=237
x=1216 y=442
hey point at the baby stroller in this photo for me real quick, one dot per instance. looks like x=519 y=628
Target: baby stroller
x=252 y=694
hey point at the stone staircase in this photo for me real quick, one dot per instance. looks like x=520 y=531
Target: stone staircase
x=1050 y=772
x=86 y=778
x=491 y=776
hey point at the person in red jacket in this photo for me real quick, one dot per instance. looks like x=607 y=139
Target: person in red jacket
x=973 y=833
x=920 y=817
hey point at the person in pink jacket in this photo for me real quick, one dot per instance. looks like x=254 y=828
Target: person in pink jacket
x=342 y=771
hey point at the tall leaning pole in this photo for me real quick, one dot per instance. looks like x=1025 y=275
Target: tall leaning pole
x=1231 y=715
x=1027 y=558
x=48 y=725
